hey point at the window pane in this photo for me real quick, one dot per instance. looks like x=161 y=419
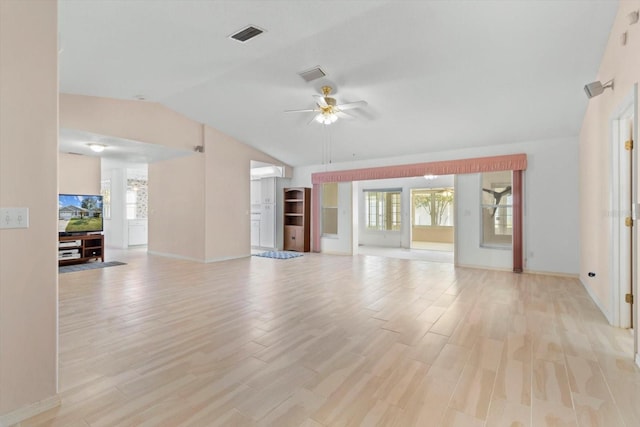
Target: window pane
x=383 y=210
x=105 y=191
x=433 y=207
x=497 y=210
x=330 y=208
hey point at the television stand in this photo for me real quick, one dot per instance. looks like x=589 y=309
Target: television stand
x=83 y=248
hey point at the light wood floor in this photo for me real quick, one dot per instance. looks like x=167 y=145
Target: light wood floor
x=335 y=341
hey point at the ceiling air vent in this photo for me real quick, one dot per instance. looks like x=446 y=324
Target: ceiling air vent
x=312 y=74
x=246 y=34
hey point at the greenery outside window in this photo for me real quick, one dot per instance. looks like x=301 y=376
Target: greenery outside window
x=497 y=209
x=383 y=209
x=330 y=209
x=433 y=207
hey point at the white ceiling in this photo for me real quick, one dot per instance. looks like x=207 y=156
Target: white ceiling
x=437 y=74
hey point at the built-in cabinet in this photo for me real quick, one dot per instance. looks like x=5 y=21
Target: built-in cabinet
x=267 y=226
x=266 y=212
x=297 y=219
x=268 y=190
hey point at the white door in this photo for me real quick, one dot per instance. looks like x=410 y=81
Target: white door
x=267 y=226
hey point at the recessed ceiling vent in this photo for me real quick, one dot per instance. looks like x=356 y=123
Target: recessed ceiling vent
x=247 y=34
x=312 y=74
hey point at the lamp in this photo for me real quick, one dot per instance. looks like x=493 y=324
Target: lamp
x=97 y=148
x=326 y=118
x=596 y=88
x=430 y=177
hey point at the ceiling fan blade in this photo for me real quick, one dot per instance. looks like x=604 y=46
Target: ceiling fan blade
x=320 y=101
x=345 y=115
x=309 y=110
x=314 y=118
x=350 y=105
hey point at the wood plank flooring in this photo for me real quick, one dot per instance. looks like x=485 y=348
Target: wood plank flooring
x=335 y=341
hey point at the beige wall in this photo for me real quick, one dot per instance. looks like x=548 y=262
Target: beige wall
x=28 y=178
x=78 y=174
x=136 y=120
x=176 y=208
x=621 y=63
x=424 y=233
x=198 y=205
x=227 y=192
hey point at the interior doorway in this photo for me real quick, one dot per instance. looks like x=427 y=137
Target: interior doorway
x=432 y=218
x=407 y=218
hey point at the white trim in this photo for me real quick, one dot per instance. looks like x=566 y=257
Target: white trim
x=553 y=273
x=174 y=256
x=484 y=267
x=598 y=303
x=620 y=207
x=638 y=359
x=229 y=258
x=29 y=411
x=206 y=261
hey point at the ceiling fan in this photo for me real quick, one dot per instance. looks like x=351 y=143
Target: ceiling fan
x=327 y=109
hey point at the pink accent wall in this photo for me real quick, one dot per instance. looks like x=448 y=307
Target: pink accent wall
x=28 y=178
x=449 y=167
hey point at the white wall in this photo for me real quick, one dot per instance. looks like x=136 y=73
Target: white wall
x=116 y=228
x=342 y=243
x=551 y=239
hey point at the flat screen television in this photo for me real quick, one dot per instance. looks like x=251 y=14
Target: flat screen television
x=79 y=214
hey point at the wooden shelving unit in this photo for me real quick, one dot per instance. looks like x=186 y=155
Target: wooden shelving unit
x=82 y=248
x=297 y=219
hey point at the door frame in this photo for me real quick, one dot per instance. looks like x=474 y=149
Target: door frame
x=624 y=269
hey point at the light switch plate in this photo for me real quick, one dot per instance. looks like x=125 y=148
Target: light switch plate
x=14 y=218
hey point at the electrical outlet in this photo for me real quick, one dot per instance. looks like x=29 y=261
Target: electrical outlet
x=14 y=218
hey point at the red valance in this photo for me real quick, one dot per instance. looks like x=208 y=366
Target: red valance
x=512 y=162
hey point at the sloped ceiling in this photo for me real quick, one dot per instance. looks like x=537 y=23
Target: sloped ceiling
x=437 y=74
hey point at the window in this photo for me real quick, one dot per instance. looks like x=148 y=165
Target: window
x=330 y=208
x=433 y=207
x=497 y=209
x=136 y=198
x=105 y=191
x=382 y=209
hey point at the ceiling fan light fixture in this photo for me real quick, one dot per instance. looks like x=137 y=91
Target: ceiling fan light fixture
x=326 y=118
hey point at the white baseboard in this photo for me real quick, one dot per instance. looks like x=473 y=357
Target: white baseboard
x=32 y=410
x=598 y=303
x=174 y=256
x=552 y=273
x=227 y=258
x=206 y=261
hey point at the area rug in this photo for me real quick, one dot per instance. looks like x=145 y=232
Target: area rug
x=279 y=254
x=88 y=266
